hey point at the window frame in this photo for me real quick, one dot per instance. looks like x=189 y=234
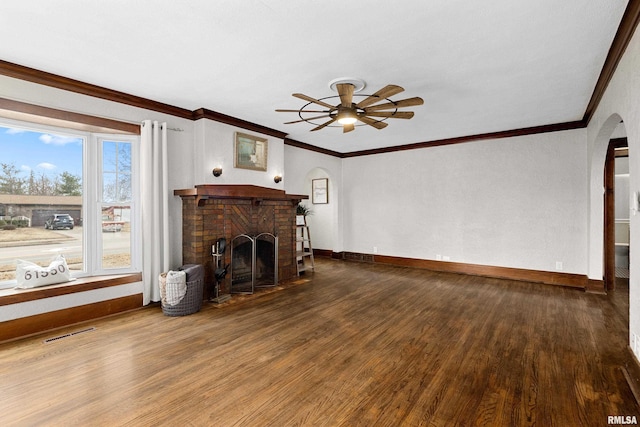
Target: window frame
x=92 y=243
x=136 y=229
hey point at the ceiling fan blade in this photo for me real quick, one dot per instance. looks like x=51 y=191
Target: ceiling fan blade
x=345 y=90
x=371 y=122
x=302 y=111
x=322 y=126
x=306 y=120
x=348 y=128
x=409 y=102
x=391 y=114
x=315 y=101
x=383 y=93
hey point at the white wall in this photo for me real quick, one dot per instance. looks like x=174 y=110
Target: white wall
x=622 y=195
x=622 y=198
x=517 y=202
x=323 y=220
x=620 y=101
x=214 y=147
x=326 y=222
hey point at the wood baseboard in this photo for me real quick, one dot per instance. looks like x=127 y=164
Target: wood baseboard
x=25 y=326
x=328 y=253
x=548 y=277
x=596 y=287
x=631 y=371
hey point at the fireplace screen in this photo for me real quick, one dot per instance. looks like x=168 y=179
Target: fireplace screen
x=254 y=262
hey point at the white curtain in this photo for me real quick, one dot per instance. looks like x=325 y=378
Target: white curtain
x=155 y=207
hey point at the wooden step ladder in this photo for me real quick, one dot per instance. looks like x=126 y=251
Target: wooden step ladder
x=304 y=250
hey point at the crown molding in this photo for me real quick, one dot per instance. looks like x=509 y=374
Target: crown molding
x=579 y=124
x=203 y=113
x=305 y=146
x=59 y=82
x=625 y=32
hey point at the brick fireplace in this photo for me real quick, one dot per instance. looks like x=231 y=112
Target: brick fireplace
x=210 y=212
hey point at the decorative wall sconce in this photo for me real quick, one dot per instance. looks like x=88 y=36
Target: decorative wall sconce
x=277 y=179
x=217 y=172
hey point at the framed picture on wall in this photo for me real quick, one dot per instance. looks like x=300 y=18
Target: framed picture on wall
x=250 y=152
x=320 y=191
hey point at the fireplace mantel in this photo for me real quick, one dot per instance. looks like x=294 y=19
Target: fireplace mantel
x=237 y=191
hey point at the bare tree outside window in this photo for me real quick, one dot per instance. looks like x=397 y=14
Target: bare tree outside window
x=116 y=172
x=10 y=180
x=117 y=194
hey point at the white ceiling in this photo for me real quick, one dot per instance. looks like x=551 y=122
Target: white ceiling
x=480 y=66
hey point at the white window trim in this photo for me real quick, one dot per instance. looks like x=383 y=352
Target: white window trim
x=91 y=183
x=136 y=225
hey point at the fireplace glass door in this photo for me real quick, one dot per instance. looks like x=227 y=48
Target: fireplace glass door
x=254 y=262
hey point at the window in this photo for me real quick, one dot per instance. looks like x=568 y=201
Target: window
x=67 y=192
x=115 y=204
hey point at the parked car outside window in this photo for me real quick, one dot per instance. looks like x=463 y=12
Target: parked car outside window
x=58 y=221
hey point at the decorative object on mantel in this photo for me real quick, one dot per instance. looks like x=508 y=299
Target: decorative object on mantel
x=301 y=212
x=250 y=152
x=320 y=191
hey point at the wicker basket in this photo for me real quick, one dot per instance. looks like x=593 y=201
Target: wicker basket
x=191 y=303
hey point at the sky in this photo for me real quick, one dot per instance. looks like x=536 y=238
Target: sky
x=39 y=152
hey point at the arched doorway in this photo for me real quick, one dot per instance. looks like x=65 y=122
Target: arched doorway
x=616 y=209
x=600 y=250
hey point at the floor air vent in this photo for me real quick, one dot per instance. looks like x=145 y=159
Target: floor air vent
x=48 y=340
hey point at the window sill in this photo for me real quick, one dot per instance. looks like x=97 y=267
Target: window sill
x=15 y=296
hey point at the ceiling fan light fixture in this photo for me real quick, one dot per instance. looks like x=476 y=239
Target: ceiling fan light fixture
x=374 y=110
x=347 y=116
x=347 y=119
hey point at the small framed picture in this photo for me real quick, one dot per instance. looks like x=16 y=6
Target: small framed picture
x=320 y=191
x=250 y=152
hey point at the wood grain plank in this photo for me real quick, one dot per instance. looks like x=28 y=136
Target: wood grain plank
x=353 y=344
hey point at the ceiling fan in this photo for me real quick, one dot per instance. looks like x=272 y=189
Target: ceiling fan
x=370 y=110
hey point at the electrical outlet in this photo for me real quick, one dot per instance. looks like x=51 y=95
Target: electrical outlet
x=375 y=249
x=559 y=265
x=438 y=257
x=446 y=258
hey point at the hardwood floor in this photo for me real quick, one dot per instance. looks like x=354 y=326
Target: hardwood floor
x=349 y=345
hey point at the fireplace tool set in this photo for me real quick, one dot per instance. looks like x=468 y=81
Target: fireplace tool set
x=220 y=270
